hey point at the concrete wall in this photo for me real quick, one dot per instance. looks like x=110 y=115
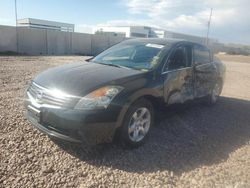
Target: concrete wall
x=58 y=43
x=81 y=43
x=100 y=42
x=31 y=41
x=7 y=39
x=114 y=40
x=50 y=42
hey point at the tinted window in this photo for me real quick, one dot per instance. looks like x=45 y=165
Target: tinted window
x=178 y=59
x=201 y=55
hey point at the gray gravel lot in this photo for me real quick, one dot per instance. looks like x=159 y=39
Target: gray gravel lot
x=192 y=146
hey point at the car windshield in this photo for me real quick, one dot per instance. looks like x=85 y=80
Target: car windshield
x=142 y=56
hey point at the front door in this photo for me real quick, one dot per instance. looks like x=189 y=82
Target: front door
x=178 y=75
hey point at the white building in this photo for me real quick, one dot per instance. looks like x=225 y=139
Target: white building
x=125 y=31
x=44 y=24
x=145 y=32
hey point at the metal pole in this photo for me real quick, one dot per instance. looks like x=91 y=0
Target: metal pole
x=208 y=25
x=17 y=47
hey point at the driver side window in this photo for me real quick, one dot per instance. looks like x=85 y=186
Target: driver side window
x=178 y=59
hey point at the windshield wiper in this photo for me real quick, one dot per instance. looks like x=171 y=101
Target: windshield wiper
x=110 y=64
x=114 y=65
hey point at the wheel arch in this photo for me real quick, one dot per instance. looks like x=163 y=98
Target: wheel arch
x=153 y=97
x=221 y=82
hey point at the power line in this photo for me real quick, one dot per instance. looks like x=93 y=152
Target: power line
x=17 y=47
x=208 y=25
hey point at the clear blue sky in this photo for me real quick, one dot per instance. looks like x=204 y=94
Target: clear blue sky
x=230 y=20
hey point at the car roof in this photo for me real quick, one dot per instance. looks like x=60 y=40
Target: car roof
x=161 y=41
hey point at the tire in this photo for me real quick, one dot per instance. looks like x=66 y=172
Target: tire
x=215 y=93
x=137 y=124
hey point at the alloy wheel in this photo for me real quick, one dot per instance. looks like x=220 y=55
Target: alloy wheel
x=139 y=124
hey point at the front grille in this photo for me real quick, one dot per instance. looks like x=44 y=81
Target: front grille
x=44 y=96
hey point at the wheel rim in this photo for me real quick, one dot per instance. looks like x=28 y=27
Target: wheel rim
x=215 y=92
x=139 y=124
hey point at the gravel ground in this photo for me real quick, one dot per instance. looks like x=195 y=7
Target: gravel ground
x=195 y=146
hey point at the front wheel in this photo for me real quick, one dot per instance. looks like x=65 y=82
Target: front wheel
x=137 y=123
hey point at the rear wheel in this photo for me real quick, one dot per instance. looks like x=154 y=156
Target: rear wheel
x=215 y=93
x=137 y=123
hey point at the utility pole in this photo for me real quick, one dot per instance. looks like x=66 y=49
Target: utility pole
x=17 y=46
x=208 y=25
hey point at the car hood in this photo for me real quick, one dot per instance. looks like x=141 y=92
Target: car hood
x=80 y=78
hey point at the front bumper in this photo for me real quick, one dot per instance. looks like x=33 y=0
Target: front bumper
x=92 y=127
x=49 y=132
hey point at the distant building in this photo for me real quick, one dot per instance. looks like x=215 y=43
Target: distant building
x=44 y=24
x=146 y=32
x=125 y=31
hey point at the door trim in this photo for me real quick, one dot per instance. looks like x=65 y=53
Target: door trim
x=175 y=70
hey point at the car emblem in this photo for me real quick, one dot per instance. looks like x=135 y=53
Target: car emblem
x=39 y=96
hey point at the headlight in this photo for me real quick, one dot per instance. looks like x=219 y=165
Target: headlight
x=99 y=98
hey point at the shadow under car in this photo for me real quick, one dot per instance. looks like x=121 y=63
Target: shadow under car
x=183 y=139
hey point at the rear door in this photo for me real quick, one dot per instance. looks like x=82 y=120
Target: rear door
x=204 y=70
x=178 y=75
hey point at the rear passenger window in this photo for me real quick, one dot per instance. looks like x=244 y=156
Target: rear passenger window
x=201 y=55
x=178 y=59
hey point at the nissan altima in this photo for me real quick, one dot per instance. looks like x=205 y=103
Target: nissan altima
x=116 y=94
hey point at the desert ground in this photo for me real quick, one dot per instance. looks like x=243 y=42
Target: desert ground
x=195 y=146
